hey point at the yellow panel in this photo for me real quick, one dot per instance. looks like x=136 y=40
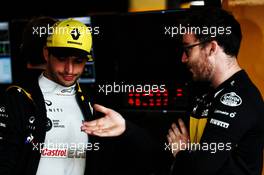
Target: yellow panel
x=147 y=5
x=200 y=130
x=193 y=126
x=196 y=129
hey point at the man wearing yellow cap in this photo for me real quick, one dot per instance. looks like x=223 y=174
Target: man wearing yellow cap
x=43 y=133
x=44 y=129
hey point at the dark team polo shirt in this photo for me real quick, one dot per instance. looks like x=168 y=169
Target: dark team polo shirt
x=226 y=131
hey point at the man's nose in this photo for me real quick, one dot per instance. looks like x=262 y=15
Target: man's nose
x=69 y=66
x=184 y=58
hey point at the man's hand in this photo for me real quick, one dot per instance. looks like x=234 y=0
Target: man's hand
x=178 y=138
x=112 y=124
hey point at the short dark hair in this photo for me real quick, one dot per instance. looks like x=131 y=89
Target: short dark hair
x=32 y=43
x=216 y=19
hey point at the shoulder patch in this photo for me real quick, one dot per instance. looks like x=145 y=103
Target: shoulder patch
x=18 y=89
x=231 y=99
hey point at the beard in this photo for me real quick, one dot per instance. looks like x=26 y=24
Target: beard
x=202 y=70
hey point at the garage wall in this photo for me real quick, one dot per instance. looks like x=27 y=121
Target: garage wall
x=251 y=56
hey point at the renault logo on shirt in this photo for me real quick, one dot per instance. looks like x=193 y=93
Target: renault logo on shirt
x=68 y=90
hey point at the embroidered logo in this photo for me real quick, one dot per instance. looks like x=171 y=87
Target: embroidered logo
x=231 y=99
x=2 y=109
x=31 y=119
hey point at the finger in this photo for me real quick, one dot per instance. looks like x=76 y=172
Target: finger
x=92 y=129
x=101 y=108
x=97 y=126
x=83 y=129
x=169 y=139
x=90 y=123
x=184 y=139
x=89 y=129
x=175 y=129
x=172 y=135
x=183 y=127
x=94 y=123
x=105 y=133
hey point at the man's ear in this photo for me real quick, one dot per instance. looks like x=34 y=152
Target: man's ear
x=46 y=53
x=213 y=47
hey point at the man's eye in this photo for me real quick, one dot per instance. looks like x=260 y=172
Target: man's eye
x=79 y=61
x=61 y=59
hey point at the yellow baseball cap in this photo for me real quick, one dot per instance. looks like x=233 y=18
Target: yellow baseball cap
x=69 y=35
